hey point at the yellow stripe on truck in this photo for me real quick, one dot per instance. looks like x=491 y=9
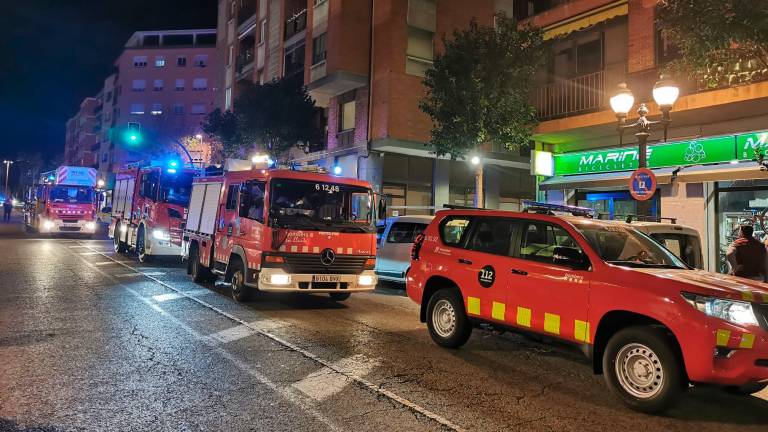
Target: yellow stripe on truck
x=747 y=296
x=722 y=337
x=581 y=331
x=498 y=311
x=552 y=323
x=747 y=341
x=473 y=305
x=523 y=316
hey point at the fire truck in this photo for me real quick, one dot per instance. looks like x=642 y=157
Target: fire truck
x=64 y=201
x=149 y=208
x=283 y=231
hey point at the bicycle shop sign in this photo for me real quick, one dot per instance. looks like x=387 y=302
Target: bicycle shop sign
x=680 y=153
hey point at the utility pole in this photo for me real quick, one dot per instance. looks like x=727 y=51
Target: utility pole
x=7 y=173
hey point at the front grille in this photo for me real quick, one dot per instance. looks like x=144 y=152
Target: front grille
x=69 y=220
x=67 y=228
x=323 y=285
x=310 y=264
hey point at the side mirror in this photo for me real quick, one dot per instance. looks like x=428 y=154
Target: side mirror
x=382 y=209
x=570 y=257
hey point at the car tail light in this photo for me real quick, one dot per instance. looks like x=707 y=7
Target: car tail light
x=274 y=259
x=417 y=247
x=370 y=264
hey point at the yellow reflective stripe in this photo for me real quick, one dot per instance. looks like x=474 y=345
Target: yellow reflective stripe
x=473 y=305
x=747 y=296
x=498 y=311
x=747 y=341
x=552 y=323
x=722 y=337
x=523 y=316
x=581 y=331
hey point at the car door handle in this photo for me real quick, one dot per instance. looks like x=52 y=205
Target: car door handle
x=519 y=272
x=464 y=261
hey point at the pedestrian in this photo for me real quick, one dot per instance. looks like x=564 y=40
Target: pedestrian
x=7 y=207
x=747 y=256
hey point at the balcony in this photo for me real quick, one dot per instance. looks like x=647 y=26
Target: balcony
x=246 y=13
x=296 y=24
x=579 y=95
x=244 y=61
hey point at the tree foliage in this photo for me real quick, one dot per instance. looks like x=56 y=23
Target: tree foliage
x=477 y=90
x=717 y=38
x=270 y=117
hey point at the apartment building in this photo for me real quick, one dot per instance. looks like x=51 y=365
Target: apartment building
x=706 y=173
x=164 y=84
x=81 y=146
x=363 y=62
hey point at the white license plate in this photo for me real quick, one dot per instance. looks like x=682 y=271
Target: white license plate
x=326 y=278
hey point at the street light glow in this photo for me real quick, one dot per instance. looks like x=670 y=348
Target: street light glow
x=199 y=136
x=475 y=160
x=622 y=102
x=665 y=93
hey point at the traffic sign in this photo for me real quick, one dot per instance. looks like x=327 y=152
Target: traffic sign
x=642 y=184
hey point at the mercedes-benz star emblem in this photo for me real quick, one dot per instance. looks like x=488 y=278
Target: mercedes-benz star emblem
x=327 y=256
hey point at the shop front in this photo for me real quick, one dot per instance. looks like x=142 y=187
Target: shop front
x=712 y=184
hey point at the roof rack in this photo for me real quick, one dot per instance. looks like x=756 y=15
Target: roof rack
x=551 y=209
x=629 y=218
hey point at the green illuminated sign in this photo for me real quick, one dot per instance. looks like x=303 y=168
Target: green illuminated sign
x=682 y=153
x=747 y=145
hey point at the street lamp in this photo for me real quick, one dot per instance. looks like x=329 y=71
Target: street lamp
x=7 y=172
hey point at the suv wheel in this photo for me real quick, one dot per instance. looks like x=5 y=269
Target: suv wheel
x=200 y=273
x=141 y=246
x=447 y=321
x=642 y=368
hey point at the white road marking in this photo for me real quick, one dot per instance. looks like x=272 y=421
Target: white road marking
x=90 y=253
x=326 y=382
x=153 y=273
x=232 y=334
x=173 y=296
x=104 y=263
x=349 y=374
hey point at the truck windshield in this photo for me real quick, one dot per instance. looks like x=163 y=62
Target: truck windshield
x=176 y=188
x=321 y=206
x=626 y=246
x=71 y=194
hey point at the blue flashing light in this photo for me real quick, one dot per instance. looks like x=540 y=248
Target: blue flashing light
x=173 y=163
x=51 y=177
x=171 y=170
x=337 y=170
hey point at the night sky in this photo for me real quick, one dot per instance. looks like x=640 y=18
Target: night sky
x=54 y=53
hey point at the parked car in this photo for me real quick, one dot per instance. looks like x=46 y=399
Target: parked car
x=681 y=240
x=395 y=237
x=649 y=323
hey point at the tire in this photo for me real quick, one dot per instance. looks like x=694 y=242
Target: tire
x=200 y=273
x=240 y=292
x=120 y=246
x=339 y=296
x=643 y=369
x=746 y=389
x=141 y=248
x=447 y=320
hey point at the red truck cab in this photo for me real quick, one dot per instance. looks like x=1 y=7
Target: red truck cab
x=149 y=209
x=283 y=231
x=64 y=201
x=651 y=324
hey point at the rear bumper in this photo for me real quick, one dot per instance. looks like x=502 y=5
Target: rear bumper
x=365 y=281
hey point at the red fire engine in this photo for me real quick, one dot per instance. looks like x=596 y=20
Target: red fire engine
x=148 y=210
x=64 y=201
x=282 y=230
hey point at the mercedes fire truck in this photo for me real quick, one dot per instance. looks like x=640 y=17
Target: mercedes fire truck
x=63 y=201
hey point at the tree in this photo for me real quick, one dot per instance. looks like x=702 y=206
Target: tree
x=477 y=90
x=718 y=40
x=271 y=118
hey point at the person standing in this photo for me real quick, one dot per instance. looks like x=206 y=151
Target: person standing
x=747 y=256
x=7 y=207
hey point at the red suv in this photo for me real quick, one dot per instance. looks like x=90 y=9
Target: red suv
x=649 y=323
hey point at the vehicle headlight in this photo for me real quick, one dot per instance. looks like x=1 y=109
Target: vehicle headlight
x=48 y=225
x=735 y=311
x=90 y=225
x=366 y=280
x=123 y=228
x=280 y=279
x=159 y=234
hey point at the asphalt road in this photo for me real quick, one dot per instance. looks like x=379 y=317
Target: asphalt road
x=90 y=340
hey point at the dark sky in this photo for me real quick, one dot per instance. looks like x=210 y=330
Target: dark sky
x=54 y=53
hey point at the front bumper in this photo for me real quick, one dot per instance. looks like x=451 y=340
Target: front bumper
x=59 y=226
x=305 y=283
x=162 y=247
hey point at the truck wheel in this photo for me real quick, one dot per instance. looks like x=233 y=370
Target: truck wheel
x=642 y=368
x=120 y=246
x=339 y=296
x=141 y=246
x=447 y=321
x=745 y=390
x=199 y=272
x=240 y=292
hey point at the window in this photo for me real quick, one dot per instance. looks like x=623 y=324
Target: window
x=294 y=59
x=149 y=185
x=347 y=116
x=197 y=109
x=253 y=207
x=181 y=61
x=404 y=232
x=201 y=60
x=539 y=241
x=158 y=85
x=178 y=109
x=232 y=194
x=492 y=235
x=319 y=2
x=262 y=31
x=231 y=55
x=589 y=57
x=139 y=85
x=199 y=84
x=318 y=49
x=180 y=83
x=157 y=108
x=137 y=108
x=228 y=98
x=159 y=61
x=419 y=53
x=452 y=230
x=140 y=61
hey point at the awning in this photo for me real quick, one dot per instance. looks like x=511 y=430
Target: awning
x=746 y=170
x=604 y=180
x=587 y=19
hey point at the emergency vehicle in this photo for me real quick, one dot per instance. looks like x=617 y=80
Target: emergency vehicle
x=649 y=323
x=64 y=201
x=282 y=230
x=149 y=208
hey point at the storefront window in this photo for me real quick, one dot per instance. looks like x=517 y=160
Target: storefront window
x=739 y=203
x=613 y=205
